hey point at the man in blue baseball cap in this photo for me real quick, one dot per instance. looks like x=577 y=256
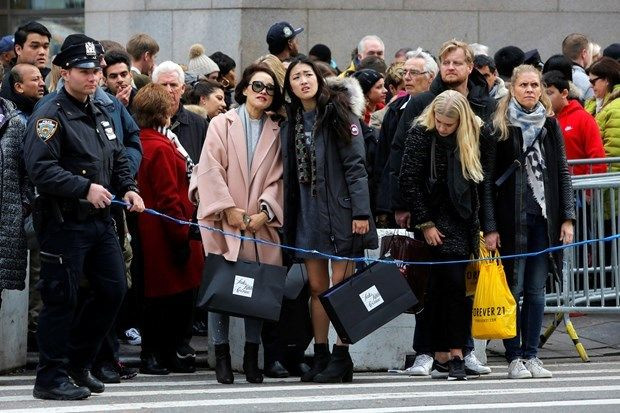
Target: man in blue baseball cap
x=282 y=40
x=7 y=54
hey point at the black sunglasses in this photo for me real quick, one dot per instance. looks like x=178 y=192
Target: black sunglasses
x=258 y=87
x=593 y=81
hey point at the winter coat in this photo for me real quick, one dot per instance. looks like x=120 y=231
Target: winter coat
x=503 y=209
x=462 y=234
x=581 y=137
x=15 y=188
x=172 y=263
x=222 y=180
x=480 y=102
x=191 y=130
x=342 y=180
x=608 y=119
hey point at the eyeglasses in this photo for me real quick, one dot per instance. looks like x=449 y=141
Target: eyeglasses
x=258 y=86
x=593 y=81
x=413 y=72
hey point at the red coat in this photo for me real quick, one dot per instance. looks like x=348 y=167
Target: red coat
x=163 y=184
x=582 y=137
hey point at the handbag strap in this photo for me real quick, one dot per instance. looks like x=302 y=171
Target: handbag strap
x=255 y=247
x=520 y=160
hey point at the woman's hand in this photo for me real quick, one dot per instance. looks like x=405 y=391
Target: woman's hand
x=360 y=226
x=234 y=217
x=433 y=236
x=567 y=232
x=492 y=241
x=257 y=221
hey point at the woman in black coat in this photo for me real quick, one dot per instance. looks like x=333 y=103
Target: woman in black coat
x=327 y=204
x=438 y=179
x=531 y=210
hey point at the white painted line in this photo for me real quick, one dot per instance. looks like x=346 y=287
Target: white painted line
x=486 y=406
x=342 y=397
x=315 y=399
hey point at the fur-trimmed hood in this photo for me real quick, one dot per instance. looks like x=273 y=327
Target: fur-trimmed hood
x=348 y=92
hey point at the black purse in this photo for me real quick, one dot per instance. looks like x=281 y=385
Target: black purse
x=247 y=289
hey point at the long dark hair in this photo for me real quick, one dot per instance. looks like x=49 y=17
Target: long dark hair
x=332 y=111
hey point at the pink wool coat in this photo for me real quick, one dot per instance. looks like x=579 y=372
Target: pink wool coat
x=222 y=180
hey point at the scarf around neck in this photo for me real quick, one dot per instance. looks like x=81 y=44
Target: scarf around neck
x=305 y=155
x=531 y=124
x=189 y=165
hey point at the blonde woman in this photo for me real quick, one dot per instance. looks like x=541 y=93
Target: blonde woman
x=530 y=208
x=438 y=178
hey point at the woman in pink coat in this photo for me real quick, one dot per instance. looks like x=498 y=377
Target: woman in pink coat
x=239 y=189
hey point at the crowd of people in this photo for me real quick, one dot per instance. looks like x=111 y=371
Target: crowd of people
x=290 y=150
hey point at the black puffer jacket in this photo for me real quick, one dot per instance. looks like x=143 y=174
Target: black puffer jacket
x=503 y=209
x=461 y=234
x=479 y=100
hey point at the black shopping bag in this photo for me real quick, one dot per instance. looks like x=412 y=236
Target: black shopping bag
x=243 y=288
x=367 y=300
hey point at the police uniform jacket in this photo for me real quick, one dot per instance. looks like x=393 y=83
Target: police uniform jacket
x=66 y=149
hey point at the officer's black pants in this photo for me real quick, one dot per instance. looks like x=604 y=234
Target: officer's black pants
x=68 y=334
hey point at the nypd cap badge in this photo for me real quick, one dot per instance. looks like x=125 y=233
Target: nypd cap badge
x=46 y=128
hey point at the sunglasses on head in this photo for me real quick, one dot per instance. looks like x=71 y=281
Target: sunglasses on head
x=258 y=86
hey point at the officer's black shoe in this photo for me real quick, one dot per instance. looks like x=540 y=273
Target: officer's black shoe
x=250 y=363
x=83 y=377
x=64 y=391
x=107 y=373
x=298 y=370
x=276 y=370
x=150 y=365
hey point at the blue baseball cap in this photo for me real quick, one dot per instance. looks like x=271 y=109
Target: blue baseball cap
x=7 y=43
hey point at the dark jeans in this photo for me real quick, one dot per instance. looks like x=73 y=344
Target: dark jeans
x=449 y=308
x=68 y=332
x=531 y=274
x=167 y=324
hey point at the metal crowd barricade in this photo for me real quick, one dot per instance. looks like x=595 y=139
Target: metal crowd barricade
x=590 y=281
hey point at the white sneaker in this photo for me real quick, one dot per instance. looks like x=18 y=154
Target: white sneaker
x=132 y=337
x=516 y=370
x=473 y=366
x=421 y=366
x=536 y=369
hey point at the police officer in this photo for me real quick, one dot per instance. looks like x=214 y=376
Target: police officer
x=77 y=164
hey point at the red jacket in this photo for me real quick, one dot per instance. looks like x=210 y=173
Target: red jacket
x=582 y=137
x=163 y=184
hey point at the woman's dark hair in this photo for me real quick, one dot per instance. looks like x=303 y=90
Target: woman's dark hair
x=152 y=106
x=204 y=87
x=560 y=63
x=556 y=79
x=608 y=69
x=224 y=62
x=249 y=71
x=332 y=114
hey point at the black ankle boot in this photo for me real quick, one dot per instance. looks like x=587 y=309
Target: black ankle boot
x=250 y=363
x=223 y=369
x=339 y=369
x=321 y=359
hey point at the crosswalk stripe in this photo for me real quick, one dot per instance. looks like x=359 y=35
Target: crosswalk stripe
x=315 y=399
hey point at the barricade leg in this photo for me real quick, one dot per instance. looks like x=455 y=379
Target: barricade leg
x=572 y=333
x=554 y=324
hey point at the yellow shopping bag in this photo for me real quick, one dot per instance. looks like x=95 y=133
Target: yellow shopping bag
x=473 y=269
x=494 y=315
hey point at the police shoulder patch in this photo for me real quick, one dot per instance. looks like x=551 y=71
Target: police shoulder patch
x=46 y=128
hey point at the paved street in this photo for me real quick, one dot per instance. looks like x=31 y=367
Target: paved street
x=576 y=387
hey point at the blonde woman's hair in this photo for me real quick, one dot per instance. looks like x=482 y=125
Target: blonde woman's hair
x=500 y=119
x=276 y=66
x=454 y=105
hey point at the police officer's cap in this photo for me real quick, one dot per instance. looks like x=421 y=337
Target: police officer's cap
x=79 y=50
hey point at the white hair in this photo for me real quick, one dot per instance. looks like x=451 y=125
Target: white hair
x=430 y=65
x=361 y=47
x=168 y=67
x=478 y=49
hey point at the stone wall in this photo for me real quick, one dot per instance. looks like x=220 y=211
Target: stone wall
x=239 y=27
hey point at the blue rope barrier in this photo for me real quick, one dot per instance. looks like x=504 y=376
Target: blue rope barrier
x=367 y=259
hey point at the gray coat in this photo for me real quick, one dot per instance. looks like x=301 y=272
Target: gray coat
x=14 y=190
x=342 y=184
